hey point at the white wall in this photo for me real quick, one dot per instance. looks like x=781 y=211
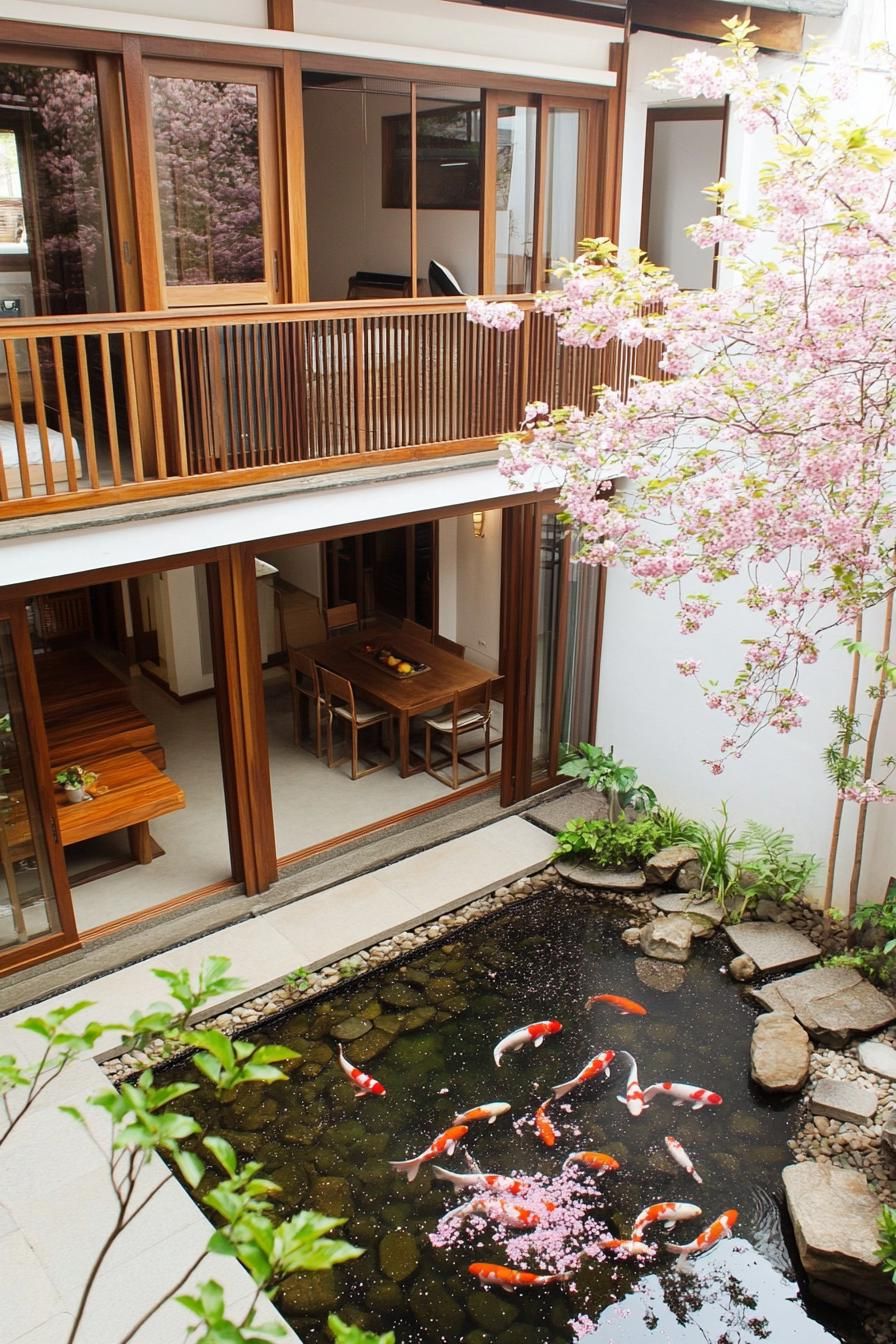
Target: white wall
x=244 y=12
x=448 y=577
x=478 y=570
x=300 y=565
x=686 y=158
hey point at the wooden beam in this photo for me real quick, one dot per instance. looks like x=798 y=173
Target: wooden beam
x=582 y=10
x=292 y=145
x=281 y=15
x=140 y=152
x=779 y=30
x=613 y=133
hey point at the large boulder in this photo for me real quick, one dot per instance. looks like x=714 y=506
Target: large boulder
x=779 y=1053
x=666 y=863
x=834 y=1215
x=667 y=938
x=690 y=876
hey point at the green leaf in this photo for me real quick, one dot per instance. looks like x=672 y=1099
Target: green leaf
x=190 y=1166
x=222 y=1152
x=353 y=1334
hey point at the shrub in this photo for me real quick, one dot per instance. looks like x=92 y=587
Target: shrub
x=611 y=844
x=599 y=770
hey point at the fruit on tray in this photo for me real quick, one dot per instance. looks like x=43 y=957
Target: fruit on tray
x=404 y=668
x=392 y=660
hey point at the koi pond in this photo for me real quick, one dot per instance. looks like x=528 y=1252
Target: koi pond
x=426 y=1029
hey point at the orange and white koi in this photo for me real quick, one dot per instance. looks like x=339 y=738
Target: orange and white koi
x=680 y=1156
x=534 y=1032
x=462 y=1180
x=634 y=1098
x=624 y=1247
x=445 y=1143
x=715 y=1232
x=598 y=1065
x=595 y=1161
x=364 y=1085
x=668 y=1214
x=498 y=1211
x=682 y=1092
x=546 y=1131
x=625 y=1006
x=508 y=1279
x=489 y=1111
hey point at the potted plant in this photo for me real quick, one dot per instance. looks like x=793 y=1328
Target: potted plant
x=76 y=781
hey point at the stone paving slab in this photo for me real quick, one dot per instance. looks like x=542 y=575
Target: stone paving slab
x=878 y=1057
x=601 y=879
x=684 y=903
x=834 y=1003
x=773 y=947
x=558 y=812
x=853 y=1102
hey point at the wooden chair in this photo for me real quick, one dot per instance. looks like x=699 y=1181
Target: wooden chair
x=449 y=646
x=340 y=701
x=470 y=712
x=341 y=618
x=418 y=631
x=304 y=684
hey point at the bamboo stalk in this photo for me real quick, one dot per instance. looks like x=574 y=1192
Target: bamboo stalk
x=870 y=746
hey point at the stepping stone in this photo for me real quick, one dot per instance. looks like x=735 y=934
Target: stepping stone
x=661 y=975
x=773 y=947
x=603 y=879
x=853 y=1102
x=834 y=1216
x=705 y=916
x=878 y=1057
x=794 y=993
x=779 y=1053
x=834 y=1003
x=557 y=813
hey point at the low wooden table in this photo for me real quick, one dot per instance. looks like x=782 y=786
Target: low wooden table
x=105 y=730
x=130 y=792
x=404 y=697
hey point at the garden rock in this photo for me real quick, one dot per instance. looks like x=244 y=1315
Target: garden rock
x=779 y=1053
x=666 y=863
x=772 y=911
x=683 y=903
x=834 y=1003
x=853 y=1102
x=667 y=938
x=689 y=876
x=834 y=1215
x=879 y=1058
x=773 y=947
x=351 y=1029
x=399 y=1256
x=888 y=1136
x=632 y=936
x=742 y=968
x=603 y=879
x=661 y=975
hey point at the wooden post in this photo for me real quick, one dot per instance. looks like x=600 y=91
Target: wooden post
x=281 y=15
x=241 y=720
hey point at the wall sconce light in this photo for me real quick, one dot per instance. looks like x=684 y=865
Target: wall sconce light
x=478 y=523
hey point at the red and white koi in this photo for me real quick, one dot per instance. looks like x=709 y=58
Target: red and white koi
x=667 y=1213
x=535 y=1033
x=546 y=1131
x=489 y=1111
x=682 y=1092
x=626 y=1248
x=625 y=1006
x=678 y=1154
x=500 y=1276
x=594 y=1161
x=715 y=1232
x=477 y=1180
x=497 y=1211
x=598 y=1065
x=445 y=1143
x=634 y=1098
x=364 y=1085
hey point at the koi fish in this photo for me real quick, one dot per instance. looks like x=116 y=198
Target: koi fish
x=546 y=1131
x=498 y=1211
x=680 y=1156
x=461 y=1180
x=364 y=1085
x=715 y=1232
x=634 y=1098
x=625 y=1006
x=596 y=1161
x=624 y=1247
x=668 y=1214
x=535 y=1032
x=682 y=1092
x=489 y=1111
x=508 y=1279
x=445 y=1143
x=599 y=1064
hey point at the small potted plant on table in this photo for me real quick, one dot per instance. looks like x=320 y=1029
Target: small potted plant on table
x=76 y=781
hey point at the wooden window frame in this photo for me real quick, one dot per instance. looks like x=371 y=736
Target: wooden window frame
x=665 y=114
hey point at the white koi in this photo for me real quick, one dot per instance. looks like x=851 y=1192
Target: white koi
x=682 y=1092
x=667 y=1213
x=535 y=1033
x=489 y=1110
x=715 y=1232
x=634 y=1098
x=678 y=1154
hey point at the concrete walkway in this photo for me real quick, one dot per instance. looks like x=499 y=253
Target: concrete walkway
x=55 y=1199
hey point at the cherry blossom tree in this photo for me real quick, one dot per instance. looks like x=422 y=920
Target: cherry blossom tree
x=766 y=450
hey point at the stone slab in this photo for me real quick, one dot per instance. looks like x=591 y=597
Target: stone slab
x=853 y=1102
x=586 y=874
x=557 y=813
x=685 y=903
x=665 y=863
x=779 y=1053
x=878 y=1057
x=834 y=1215
x=795 y=992
x=667 y=938
x=773 y=947
x=834 y=1003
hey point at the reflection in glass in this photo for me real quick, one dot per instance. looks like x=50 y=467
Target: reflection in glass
x=449 y=182
x=550 y=577
x=515 y=199
x=27 y=908
x=563 y=218
x=209 y=180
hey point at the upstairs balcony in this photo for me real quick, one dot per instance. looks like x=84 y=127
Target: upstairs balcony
x=103 y=409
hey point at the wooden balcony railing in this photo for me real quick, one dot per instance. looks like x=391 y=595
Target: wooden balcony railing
x=103 y=409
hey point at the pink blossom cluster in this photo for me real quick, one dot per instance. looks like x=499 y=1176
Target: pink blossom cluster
x=867 y=792
x=497 y=316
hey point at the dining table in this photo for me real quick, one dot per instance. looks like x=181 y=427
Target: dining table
x=404 y=696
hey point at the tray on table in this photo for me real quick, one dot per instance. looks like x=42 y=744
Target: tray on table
x=378 y=653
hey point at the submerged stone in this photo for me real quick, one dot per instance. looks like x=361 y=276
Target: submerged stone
x=309 y=1291
x=492 y=1311
x=436 y=1309
x=440 y=988
x=370 y=1045
x=385 y=1296
x=332 y=1195
x=661 y=975
x=351 y=1029
x=399 y=1255
x=401 y=996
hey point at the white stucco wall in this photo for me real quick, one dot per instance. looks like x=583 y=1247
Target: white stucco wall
x=686 y=158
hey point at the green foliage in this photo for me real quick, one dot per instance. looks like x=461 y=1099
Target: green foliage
x=842 y=767
x=777 y=872
x=213 y=1325
x=674 y=828
x=300 y=978
x=716 y=847
x=599 y=770
x=876 y=963
x=353 y=1334
x=76 y=777
x=886 y=1247
x=610 y=844
x=349 y=967
x=228 y=1063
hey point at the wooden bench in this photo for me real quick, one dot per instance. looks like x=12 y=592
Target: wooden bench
x=71 y=683
x=105 y=730
x=129 y=792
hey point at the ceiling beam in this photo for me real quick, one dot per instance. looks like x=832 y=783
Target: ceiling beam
x=585 y=11
x=779 y=30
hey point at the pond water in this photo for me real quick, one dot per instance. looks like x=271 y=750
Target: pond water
x=426 y=1029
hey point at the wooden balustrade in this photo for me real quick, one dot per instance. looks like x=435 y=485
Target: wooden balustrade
x=100 y=409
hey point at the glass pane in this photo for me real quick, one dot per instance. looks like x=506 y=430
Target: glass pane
x=515 y=199
x=208 y=165
x=550 y=573
x=27 y=903
x=423 y=574
x=448 y=189
x=563 y=211
x=53 y=230
x=584 y=588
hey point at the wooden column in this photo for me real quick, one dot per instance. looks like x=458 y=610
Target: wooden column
x=613 y=129
x=295 y=221
x=518 y=539
x=241 y=721
x=281 y=15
